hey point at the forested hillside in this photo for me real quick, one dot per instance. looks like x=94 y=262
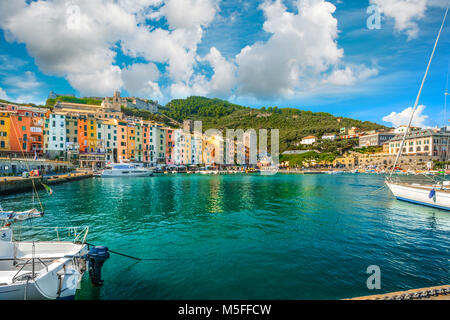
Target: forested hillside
x=294 y=124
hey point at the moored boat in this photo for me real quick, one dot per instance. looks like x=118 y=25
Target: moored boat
x=45 y=270
x=125 y=170
x=436 y=196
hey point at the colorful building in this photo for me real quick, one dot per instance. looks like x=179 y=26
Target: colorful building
x=4 y=130
x=160 y=145
x=170 y=143
x=122 y=141
x=83 y=134
x=107 y=138
x=55 y=136
x=139 y=150
x=131 y=141
x=92 y=135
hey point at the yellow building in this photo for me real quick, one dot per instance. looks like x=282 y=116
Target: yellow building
x=213 y=150
x=92 y=135
x=131 y=143
x=187 y=157
x=4 y=131
x=347 y=161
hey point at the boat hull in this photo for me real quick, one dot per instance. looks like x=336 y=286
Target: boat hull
x=420 y=195
x=58 y=278
x=125 y=173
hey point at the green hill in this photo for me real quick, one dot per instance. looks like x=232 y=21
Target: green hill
x=294 y=124
x=51 y=102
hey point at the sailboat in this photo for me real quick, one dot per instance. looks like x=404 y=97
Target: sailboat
x=436 y=194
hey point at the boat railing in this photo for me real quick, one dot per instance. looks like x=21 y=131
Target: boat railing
x=77 y=234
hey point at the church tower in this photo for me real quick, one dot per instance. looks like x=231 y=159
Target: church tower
x=116 y=101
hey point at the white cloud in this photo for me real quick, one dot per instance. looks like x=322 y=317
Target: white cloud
x=85 y=52
x=188 y=14
x=3 y=94
x=300 y=52
x=407 y=13
x=349 y=76
x=402 y=118
x=27 y=81
x=224 y=77
x=97 y=83
x=141 y=80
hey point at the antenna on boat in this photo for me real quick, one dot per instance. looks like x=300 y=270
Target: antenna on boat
x=420 y=92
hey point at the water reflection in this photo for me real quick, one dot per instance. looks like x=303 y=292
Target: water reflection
x=254 y=237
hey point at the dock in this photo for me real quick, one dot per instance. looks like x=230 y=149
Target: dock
x=9 y=185
x=432 y=293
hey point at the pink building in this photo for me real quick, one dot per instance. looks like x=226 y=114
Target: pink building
x=170 y=143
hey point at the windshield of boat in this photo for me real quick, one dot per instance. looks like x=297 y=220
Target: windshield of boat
x=123 y=166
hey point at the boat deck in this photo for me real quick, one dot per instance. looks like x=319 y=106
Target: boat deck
x=422 y=187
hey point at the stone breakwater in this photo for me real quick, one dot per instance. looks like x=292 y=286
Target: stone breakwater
x=10 y=185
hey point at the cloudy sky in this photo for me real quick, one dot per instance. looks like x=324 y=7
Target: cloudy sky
x=317 y=55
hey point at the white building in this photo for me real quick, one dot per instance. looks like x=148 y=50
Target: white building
x=424 y=142
x=107 y=138
x=402 y=129
x=153 y=133
x=176 y=151
x=308 y=140
x=196 y=148
x=56 y=137
x=329 y=136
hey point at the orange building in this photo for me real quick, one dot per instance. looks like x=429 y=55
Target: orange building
x=26 y=129
x=83 y=134
x=131 y=142
x=20 y=133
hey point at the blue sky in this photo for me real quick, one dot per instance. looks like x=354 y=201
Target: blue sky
x=311 y=54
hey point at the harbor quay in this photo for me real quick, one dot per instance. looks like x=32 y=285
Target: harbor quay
x=12 y=185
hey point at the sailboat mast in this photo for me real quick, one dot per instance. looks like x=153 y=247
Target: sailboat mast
x=420 y=92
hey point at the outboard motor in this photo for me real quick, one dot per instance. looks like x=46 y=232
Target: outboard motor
x=96 y=258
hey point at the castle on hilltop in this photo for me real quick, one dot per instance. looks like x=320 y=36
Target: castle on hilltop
x=116 y=102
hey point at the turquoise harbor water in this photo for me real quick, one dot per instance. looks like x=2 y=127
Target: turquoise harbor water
x=251 y=237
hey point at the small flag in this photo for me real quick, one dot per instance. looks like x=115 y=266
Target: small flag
x=48 y=189
x=35 y=155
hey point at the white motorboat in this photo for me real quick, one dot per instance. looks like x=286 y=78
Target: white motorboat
x=125 y=170
x=436 y=196
x=45 y=270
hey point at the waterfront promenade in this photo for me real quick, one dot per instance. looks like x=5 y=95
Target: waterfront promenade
x=10 y=185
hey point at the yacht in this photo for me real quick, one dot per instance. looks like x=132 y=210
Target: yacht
x=125 y=170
